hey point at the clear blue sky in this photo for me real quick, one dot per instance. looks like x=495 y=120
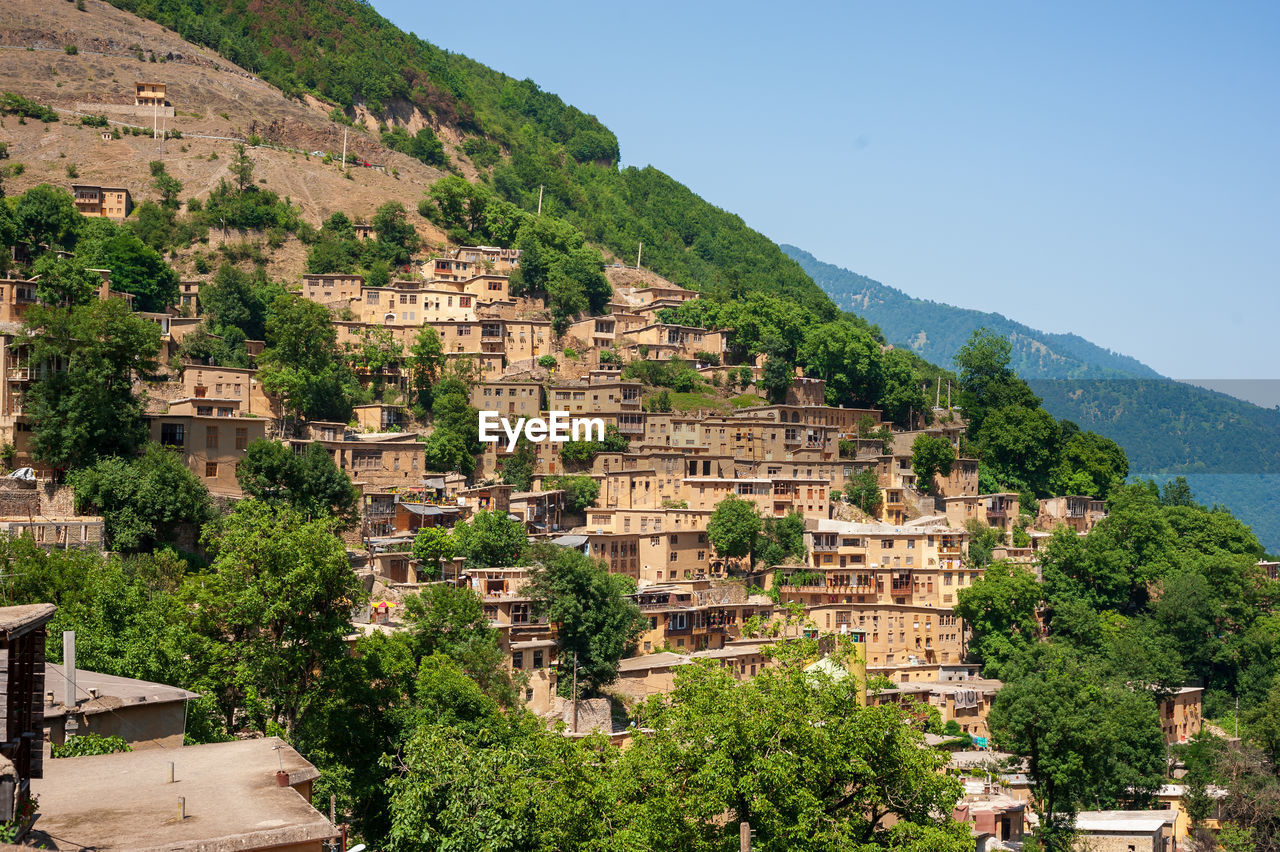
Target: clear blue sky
x=1103 y=168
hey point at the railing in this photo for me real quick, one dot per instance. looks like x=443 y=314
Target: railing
x=829 y=589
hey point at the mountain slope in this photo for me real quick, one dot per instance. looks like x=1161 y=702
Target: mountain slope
x=1228 y=449
x=527 y=143
x=935 y=330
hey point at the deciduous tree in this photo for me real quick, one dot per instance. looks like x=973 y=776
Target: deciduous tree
x=733 y=527
x=84 y=406
x=931 y=455
x=593 y=620
x=143 y=499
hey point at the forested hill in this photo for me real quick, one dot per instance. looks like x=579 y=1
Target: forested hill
x=518 y=137
x=935 y=330
x=1228 y=449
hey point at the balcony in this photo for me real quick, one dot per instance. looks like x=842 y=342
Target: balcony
x=19 y=374
x=490 y=332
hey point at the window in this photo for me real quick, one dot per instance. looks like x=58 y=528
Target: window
x=210 y=469
x=173 y=434
x=204 y=410
x=537 y=659
x=517 y=657
x=211 y=437
x=242 y=437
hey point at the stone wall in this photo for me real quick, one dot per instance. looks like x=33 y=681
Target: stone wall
x=18 y=498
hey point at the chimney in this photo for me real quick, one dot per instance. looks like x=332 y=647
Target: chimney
x=69 y=666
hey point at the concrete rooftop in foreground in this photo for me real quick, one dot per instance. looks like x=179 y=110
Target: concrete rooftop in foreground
x=124 y=801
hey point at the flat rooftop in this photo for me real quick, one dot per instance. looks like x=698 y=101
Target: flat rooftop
x=1122 y=822
x=124 y=801
x=113 y=692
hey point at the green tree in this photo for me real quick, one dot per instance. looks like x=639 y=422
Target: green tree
x=141 y=500
x=445 y=450
x=1020 y=445
x=931 y=455
x=309 y=482
x=1176 y=492
x=733 y=527
x=1262 y=724
x=795 y=754
x=300 y=363
x=426 y=360
x=65 y=281
x=595 y=623
x=1089 y=459
x=518 y=468
x=987 y=381
x=863 y=490
x=490 y=539
x=450 y=620
x=780 y=539
x=47 y=215
x=241 y=168
x=166 y=184
x=235 y=300
x=135 y=268
x=396 y=237
x=776 y=378
x=1000 y=609
x=475 y=778
x=430 y=546
x=86 y=407
x=1088 y=741
x=274 y=611
x=580 y=491
x=847 y=356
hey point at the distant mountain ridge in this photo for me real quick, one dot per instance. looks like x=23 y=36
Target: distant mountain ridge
x=1227 y=448
x=935 y=330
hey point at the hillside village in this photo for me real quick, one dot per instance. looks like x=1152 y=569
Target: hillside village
x=244 y=473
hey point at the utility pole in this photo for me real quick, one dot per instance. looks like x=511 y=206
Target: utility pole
x=639 y=251
x=155 y=118
x=575 y=692
x=344 y=150
x=744 y=836
x=539 y=199
x=937 y=392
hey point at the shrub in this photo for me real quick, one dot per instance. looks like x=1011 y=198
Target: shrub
x=14 y=104
x=71 y=49
x=547 y=361
x=87 y=744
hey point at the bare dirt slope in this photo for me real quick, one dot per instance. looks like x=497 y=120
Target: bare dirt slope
x=211 y=97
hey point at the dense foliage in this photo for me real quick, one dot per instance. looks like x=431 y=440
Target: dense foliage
x=1163 y=592
x=142 y=500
